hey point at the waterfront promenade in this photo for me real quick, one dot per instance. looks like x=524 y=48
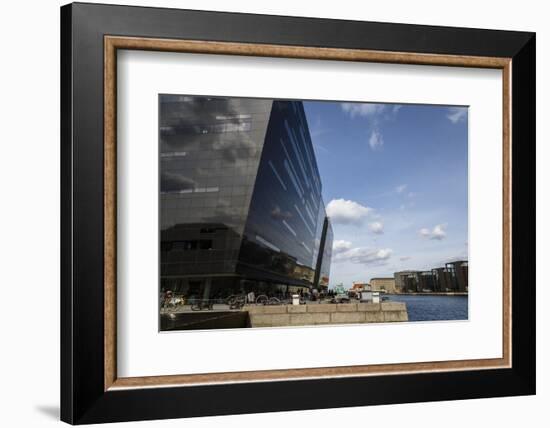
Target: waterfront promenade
x=430 y=293
x=284 y=315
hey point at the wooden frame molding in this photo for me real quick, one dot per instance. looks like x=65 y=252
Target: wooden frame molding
x=113 y=43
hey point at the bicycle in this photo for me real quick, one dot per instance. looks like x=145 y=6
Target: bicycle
x=264 y=300
x=172 y=304
x=201 y=305
x=236 y=301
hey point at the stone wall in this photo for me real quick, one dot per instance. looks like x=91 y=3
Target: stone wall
x=325 y=313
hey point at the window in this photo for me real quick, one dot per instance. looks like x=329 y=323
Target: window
x=293 y=179
x=277 y=175
x=289 y=228
x=292 y=138
x=213 y=128
x=291 y=164
x=267 y=243
x=205 y=244
x=185 y=245
x=233 y=116
x=188 y=244
x=303 y=219
x=309 y=213
x=206 y=189
x=173 y=154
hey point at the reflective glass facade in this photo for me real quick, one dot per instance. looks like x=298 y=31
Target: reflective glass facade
x=240 y=197
x=322 y=273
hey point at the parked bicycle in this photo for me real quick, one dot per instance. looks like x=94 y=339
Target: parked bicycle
x=171 y=303
x=200 y=305
x=236 y=301
x=265 y=300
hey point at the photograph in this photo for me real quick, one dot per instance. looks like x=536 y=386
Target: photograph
x=289 y=213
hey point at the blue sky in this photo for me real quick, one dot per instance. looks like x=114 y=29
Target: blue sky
x=395 y=184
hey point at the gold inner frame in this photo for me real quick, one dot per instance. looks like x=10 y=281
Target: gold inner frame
x=113 y=43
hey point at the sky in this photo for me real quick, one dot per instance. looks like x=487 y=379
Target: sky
x=395 y=185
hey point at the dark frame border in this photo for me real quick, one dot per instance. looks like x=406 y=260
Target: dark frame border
x=83 y=399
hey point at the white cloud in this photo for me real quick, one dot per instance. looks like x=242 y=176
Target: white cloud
x=437 y=233
x=365 y=256
x=341 y=246
x=376 y=227
x=424 y=232
x=344 y=211
x=401 y=188
x=344 y=251
x=362 y=109
x=405 y=258
x=376 y=141
x=376 y=114
x=457 y=114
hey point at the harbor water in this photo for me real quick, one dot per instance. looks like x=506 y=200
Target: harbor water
x=434 y=308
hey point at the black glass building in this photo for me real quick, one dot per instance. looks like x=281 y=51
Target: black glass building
x=240 y=198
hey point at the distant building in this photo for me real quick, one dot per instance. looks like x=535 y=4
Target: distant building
x=405 y=281
x=453 y=277
x=383 y=284
x=458 y=272
x=426 y=281
x=443 y=279
x=463 y=275
x=360 y=286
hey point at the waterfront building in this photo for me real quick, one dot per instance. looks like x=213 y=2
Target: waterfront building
x=360 y=286
x=405 y=281
x=411 y=282
x=443 y=279
x=240 y=204
x=462 y=276
x=458 y=273
x=383 y=284
x=453 y=277
x=426 y=281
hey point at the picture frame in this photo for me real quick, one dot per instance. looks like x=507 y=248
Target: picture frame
x=91 y=391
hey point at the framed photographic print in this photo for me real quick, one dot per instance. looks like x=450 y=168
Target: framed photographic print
x=266 y=213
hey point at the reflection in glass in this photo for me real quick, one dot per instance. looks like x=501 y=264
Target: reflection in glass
x=240 y=198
